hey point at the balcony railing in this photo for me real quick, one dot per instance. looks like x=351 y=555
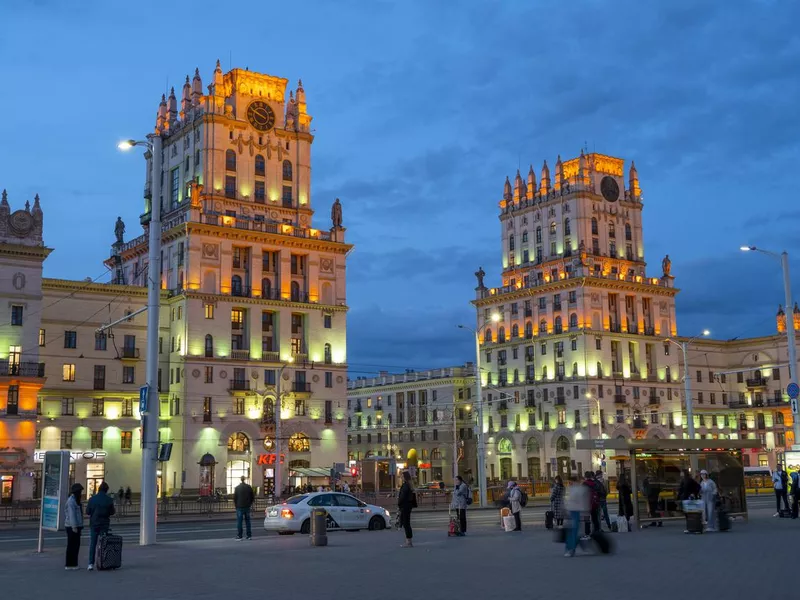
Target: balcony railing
x=358 y=408
x=502 y=406
x=130 y=352
x=240 y=385
x=757 y=382
x=301 y=387
x=99 y=384
x=240 y=354
x=21 y=369
x=241 y=222
x=270 y=356
x=561 y=400
x=620 y=399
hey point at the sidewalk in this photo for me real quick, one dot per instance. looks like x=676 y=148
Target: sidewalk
x=362 y=566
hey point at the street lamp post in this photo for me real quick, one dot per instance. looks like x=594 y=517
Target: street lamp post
x=149 y=491
x=479 y=399
x=783 y=257
x=687 y=381
x=278 y=445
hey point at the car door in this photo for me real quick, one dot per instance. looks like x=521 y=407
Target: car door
x=327 y=502
x=353 y=511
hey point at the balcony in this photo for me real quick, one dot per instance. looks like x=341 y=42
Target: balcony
x=620 y=399
x=301 y=387
x=358 y=409
x=639 y=424
x=649 y=331
x=239 y=385
x=99 y=384
x=21 y=369
x=241 y=292
x=300 y=357
x=653 y=397
x=129 y=353
x=615 y=328
x=756 y=382
x=529 y=358
x=502 y=406
x=561 y=400
x=240 y=354
x=378 y=407
x=270 y=356
x=530 y=405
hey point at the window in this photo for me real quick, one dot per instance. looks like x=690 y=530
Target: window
x=666 y=348
x=207 y=407
x=230 y=186
x=209 y=374
x=776 y=374
x=230 y=160
x=327 y=321
x=299 y=442
x=594 y=226
x=328 y=379
x=12 y=406
x=566 y=227
x=208 y=309
x=16 y=315
x=740 y=378
x=260 y=192
x=174 y=186
x=129 y=374
x=126 y=441
x=260 y=170
x=287 y=170
x=97 y=439
x=42 y=337
x=98 y=407
x=210 y=345
x=68 y=372
x=327 y=354
x=127 y=407
x=67 y=407
x=286 y=195
x=699 y=377
x=238 y=406
x=269 y=377
x=100 y=341
x=70 y=339
x=66 y=440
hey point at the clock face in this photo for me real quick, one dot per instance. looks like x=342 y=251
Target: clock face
x=260 y=115
x=609 y=188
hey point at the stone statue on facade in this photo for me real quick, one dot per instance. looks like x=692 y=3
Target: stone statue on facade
x=582 y=253
x=336 y=214
x=119 y=230
x=666 y=266
x=480 y=274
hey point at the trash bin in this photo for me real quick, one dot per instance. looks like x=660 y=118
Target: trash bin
x=319 y=527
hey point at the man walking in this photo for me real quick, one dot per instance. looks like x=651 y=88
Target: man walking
x=780 y=481
x=243 y=498
x=602 y=493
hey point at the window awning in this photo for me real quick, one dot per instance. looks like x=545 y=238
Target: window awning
x=311 y=472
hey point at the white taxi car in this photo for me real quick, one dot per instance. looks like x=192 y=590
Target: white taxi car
x=344 y=512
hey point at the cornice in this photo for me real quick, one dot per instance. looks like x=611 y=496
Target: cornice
x=262 y=301
x=38 y=253
x=285 y=241
x=85 y=287
x=409 y=385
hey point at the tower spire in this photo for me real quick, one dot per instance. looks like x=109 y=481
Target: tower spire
x=633 y=182
x=531 y=183
x=507 y=190
x=544 y=180
x=197 y=87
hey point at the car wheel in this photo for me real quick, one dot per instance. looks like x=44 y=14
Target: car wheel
x=305 y=528
x=376 y=524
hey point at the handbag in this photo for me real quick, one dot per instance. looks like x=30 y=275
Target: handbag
x=413 y=500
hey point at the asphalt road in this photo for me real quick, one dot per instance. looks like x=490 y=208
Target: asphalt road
x=21 y=539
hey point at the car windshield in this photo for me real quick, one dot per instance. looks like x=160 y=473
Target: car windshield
x=296 y=499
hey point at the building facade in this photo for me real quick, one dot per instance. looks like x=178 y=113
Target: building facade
x=253 y=310
x=422 y=419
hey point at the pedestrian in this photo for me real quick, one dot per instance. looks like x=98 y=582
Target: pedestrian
x=99 y=509
x=73 y=524
x=795 y=477
x=461 y=499
x=708 y=493
x=689 y=488
x=406 y=502
x=557 y=500
x=128 y=496
x=120 y=494
x=624 y=491
x=578 y=501
x=780 y=481
x=594 y=500
x=515 y=498
x=652 y=491
x=602 y=494
x=243 y=498
x=345 y=488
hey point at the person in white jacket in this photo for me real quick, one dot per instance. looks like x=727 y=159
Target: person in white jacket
x=578 y=501
x=708 y=493
x=73 y=524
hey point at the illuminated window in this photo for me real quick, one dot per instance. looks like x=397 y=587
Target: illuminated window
x=299 y=442
x=504 y=446
x=553 y=228
x=208 y=308
x=68 y=372
x=129 y=374
x=238 y=442
x=41 y=337
x=126 y=441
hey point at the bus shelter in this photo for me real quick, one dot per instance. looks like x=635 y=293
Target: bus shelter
x=654 y=468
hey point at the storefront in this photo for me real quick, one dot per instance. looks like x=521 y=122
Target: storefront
x=12 y=463
x=87 y=467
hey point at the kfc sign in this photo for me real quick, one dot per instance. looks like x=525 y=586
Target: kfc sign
x=269 y=459
x=38 y=456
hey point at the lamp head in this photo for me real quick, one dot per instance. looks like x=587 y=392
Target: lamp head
x=747 y=248
x=126 y=144
x=495 y=317
x=706 y=332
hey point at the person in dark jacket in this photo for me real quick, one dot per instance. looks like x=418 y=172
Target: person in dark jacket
x=406 y=501
x=652 y=491
x=461 y=496
x=243 y=498
x=100 y=509
x=689 y=487
x=625 y=492
x=594 y=507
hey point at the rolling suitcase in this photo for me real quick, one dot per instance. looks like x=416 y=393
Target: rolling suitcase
x=694 y=522
x=601 y=542
x=723 y=521
x=785 y=514
x=549 y=517
x=108 y=554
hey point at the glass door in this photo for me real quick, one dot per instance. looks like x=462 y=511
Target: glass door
x=95 y=474
x=6 y=489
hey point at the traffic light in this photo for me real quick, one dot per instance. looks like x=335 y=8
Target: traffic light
x=354 y=471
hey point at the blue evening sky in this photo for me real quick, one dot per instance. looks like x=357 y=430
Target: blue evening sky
x=421 y=108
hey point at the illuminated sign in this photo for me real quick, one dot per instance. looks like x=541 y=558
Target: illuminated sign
x=269 y=459
x=424 y=465
x=38 y=456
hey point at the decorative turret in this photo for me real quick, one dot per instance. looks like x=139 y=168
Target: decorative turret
x=172 y=108
x=531 y=183
x=38 y=215
x=216 y=86
x=507 y=190
x=186 y=98
x=161 y=115
x=291 y=112
x=559 y=180
x=796 y=317
x=197 y=87
x=301 y=97
x=518 y=187
x=544 y=180
x=633 y=182
x=583 y=171
x=781 y=320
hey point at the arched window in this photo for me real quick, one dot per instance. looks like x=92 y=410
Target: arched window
x=562 y=444
x=511 y=242
x=287 y=170
x=209 y=346
x=268 y=413
x=533 y=445
x=487 y=336
x=628 y=232
x=542 y=327
x=566 y=227
x=260 y=169
x=299 y=442
x=266 y=288
x=230 y=160
x=553 y=228
x=573 y=320
x=501 y=335
x=327 y=354
x=514 y=331
x=236 y=285
x=295 y=290
x=594 y=226
x=504 y=446
x=557 y=325
x=528 y=330
x=525 y=236
x=612 y=231
x=539 y=235
x=238 y=442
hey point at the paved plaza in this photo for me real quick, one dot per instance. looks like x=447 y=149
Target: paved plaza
x=655 y=563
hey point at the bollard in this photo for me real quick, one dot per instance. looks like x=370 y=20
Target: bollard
x=319 y=527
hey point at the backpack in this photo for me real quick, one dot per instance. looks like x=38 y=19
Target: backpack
x=784 y=480
x=523 y=497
